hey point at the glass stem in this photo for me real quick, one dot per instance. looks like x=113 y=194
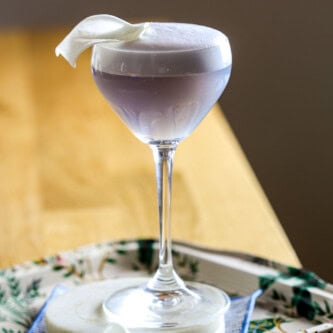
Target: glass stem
x=165 y=278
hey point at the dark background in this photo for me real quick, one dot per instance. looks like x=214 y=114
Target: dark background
x=278 y=102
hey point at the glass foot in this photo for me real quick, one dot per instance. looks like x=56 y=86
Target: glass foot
x=195 y=308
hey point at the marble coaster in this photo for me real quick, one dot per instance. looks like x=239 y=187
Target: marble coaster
x=80 y=310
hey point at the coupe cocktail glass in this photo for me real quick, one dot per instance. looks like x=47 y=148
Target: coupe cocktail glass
x=162 y=85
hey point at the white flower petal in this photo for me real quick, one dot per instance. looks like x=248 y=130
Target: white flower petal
x=96 y=29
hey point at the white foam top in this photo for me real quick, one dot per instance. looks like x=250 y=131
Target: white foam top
x=166 y=48
x=175 y=37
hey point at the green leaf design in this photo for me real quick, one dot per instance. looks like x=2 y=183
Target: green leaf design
x=70 y=271
x=2 y=296
x=110 y=260
x=14 y=286
x=265 y=325
x=303 y=303
x=194 y=267
x=32 y=289
x=21 y=323
x=265 y=281
x=327 y=307
x=318 y=309
x=121 y=251
x=310 y=278
x=146 y=253
x=58 y=267
x=278 y=296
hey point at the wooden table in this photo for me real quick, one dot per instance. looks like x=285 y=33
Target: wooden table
x=72 y=174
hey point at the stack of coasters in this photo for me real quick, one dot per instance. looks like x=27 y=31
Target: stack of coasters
x=59 y=319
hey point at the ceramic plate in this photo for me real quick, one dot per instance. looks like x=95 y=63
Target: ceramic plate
x=292 y=300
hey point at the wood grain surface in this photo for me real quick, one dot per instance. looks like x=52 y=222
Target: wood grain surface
x=71 y=173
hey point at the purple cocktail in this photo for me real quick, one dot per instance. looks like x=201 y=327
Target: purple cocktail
x=162 y=85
